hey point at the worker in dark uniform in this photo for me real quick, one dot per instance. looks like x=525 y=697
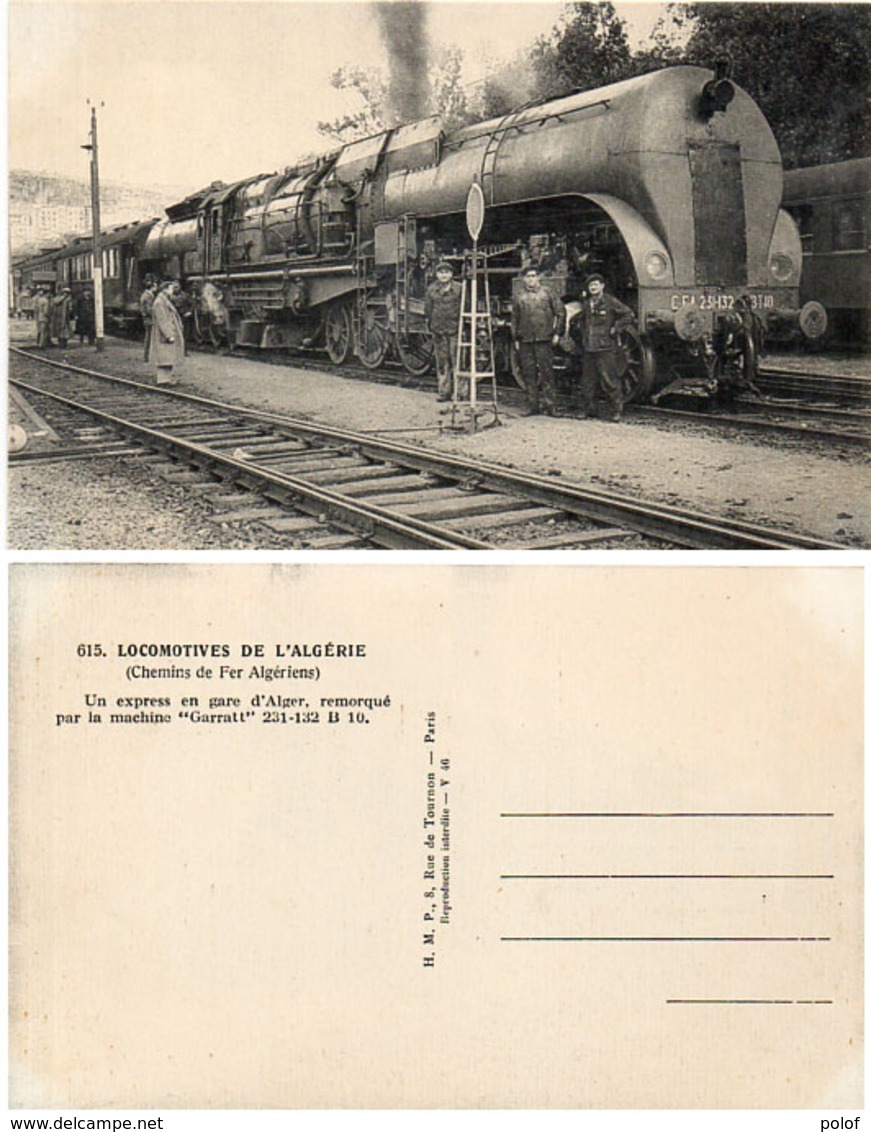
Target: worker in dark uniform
x=86 y=326
x=537 y=321
x=146 y=309
x=442 y=314
x=594 y=329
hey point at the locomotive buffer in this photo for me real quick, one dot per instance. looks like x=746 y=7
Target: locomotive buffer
x=475 y=359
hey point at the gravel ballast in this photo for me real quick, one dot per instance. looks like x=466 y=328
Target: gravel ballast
x=798 y=485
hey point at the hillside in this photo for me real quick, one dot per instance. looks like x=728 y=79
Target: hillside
x=45 y=208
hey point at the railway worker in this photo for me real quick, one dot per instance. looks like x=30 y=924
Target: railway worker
x=86 y=326
x=442 y=314
x=146 y=308
x=167 y=335
x=595 y=328
x=62 y=317
x=42 y=314
x=537 y=322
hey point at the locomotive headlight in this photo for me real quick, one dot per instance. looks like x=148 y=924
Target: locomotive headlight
x=656 y=264
x=781 y=266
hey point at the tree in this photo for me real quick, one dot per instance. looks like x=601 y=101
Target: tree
x=807 y=65
x=587 y=48
x=381 y=110
x=371 y=87
x=503 y=89
x=450 y=99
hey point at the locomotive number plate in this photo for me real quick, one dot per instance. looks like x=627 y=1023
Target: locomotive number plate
x=720 y=302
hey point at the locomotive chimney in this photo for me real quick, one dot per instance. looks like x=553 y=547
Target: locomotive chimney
x=719 y=92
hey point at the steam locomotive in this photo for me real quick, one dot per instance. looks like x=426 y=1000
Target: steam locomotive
x=669 y=184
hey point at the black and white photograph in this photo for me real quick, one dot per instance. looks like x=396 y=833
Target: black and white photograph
x=433 y=275
x=304 y=833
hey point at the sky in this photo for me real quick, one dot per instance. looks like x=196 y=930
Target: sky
x=201 y=90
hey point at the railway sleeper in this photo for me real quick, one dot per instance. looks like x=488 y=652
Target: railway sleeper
x=360 y=473
x=580 y=538
x=436 y=510
x=422 y=495
x=488 y=522
x=399 y=482
x=251 y=514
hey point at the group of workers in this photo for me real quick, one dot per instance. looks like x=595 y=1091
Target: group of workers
x=538 y=322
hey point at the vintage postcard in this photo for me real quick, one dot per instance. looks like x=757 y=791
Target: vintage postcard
x=375 y=254
x=436 y=836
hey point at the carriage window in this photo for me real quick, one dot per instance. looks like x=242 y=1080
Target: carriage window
x=199 y=225
x=803 y=215
x=110 y=263
x=848 y=229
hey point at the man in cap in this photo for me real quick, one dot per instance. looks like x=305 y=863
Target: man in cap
x=146 y=309
x=537 y=321
x=595 y=328
x=442 y=314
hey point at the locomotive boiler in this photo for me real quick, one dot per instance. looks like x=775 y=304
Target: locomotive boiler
x=669 y=184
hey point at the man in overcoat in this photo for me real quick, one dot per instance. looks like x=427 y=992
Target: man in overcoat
x=537 y=321
x=595 y=329
x=62 y=317
x=167 y=336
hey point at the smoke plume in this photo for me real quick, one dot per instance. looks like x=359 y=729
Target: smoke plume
x=403 y=28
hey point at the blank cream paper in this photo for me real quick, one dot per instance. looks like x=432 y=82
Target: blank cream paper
x=435 y=836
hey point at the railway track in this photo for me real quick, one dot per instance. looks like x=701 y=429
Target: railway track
x=829 y=387
x=293 y=476
x=839 y=426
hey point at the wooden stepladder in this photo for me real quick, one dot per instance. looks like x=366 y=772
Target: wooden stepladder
x=475 y=360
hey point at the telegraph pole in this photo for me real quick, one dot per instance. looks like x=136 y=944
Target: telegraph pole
x=95 y=218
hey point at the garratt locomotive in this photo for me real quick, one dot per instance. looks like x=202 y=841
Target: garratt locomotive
x=670 y=184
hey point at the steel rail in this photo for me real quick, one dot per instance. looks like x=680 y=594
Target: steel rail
x=683 y=526
x=751 y=423
x=827 y=385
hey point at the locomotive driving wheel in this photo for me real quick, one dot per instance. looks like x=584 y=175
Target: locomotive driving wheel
x=338 y=333
x=197 y=326
x=374 y=337
x=738 y=363
x=640 y=365
x=205 y=328
x=416 y=352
